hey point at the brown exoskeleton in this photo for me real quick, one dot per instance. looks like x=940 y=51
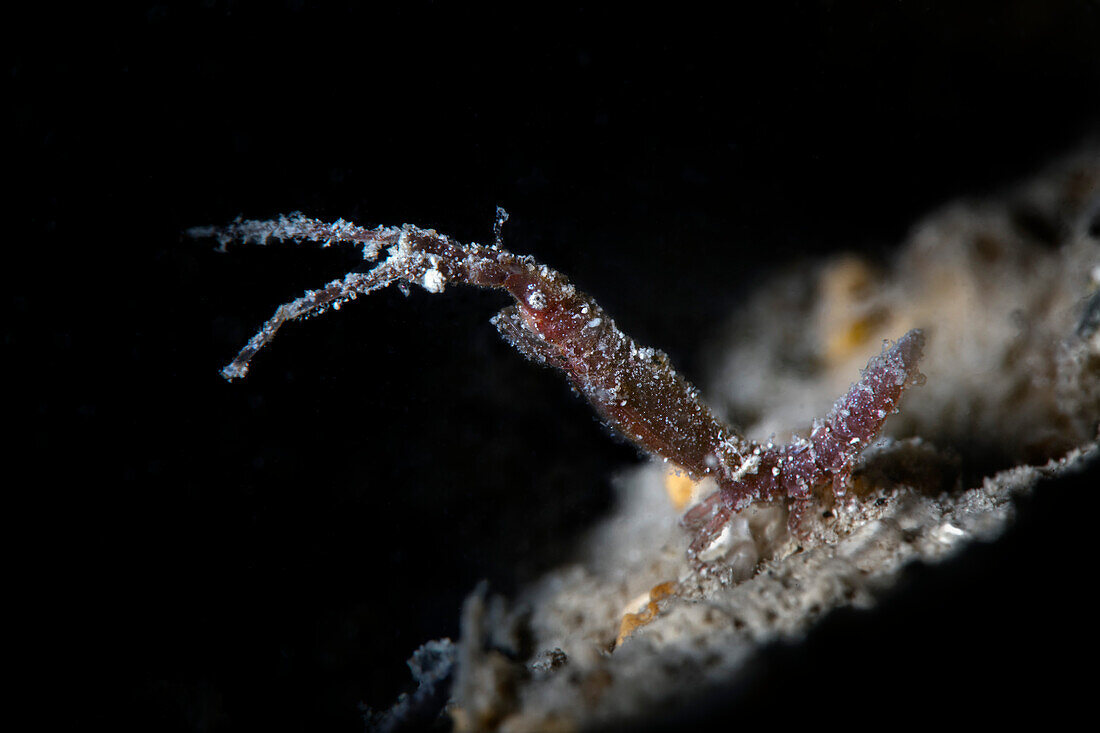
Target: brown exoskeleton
x=634 y=388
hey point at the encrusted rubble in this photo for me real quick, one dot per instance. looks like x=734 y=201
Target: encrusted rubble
x=1006 y=291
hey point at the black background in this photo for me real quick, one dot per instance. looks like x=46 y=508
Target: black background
x=191 y=554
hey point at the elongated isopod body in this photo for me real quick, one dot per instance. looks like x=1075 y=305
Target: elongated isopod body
x=634 y=389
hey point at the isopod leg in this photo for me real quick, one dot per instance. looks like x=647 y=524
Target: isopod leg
x=510 y=325
x=705 y=521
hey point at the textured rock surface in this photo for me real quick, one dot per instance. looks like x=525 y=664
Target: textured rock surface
x=1005 y=290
